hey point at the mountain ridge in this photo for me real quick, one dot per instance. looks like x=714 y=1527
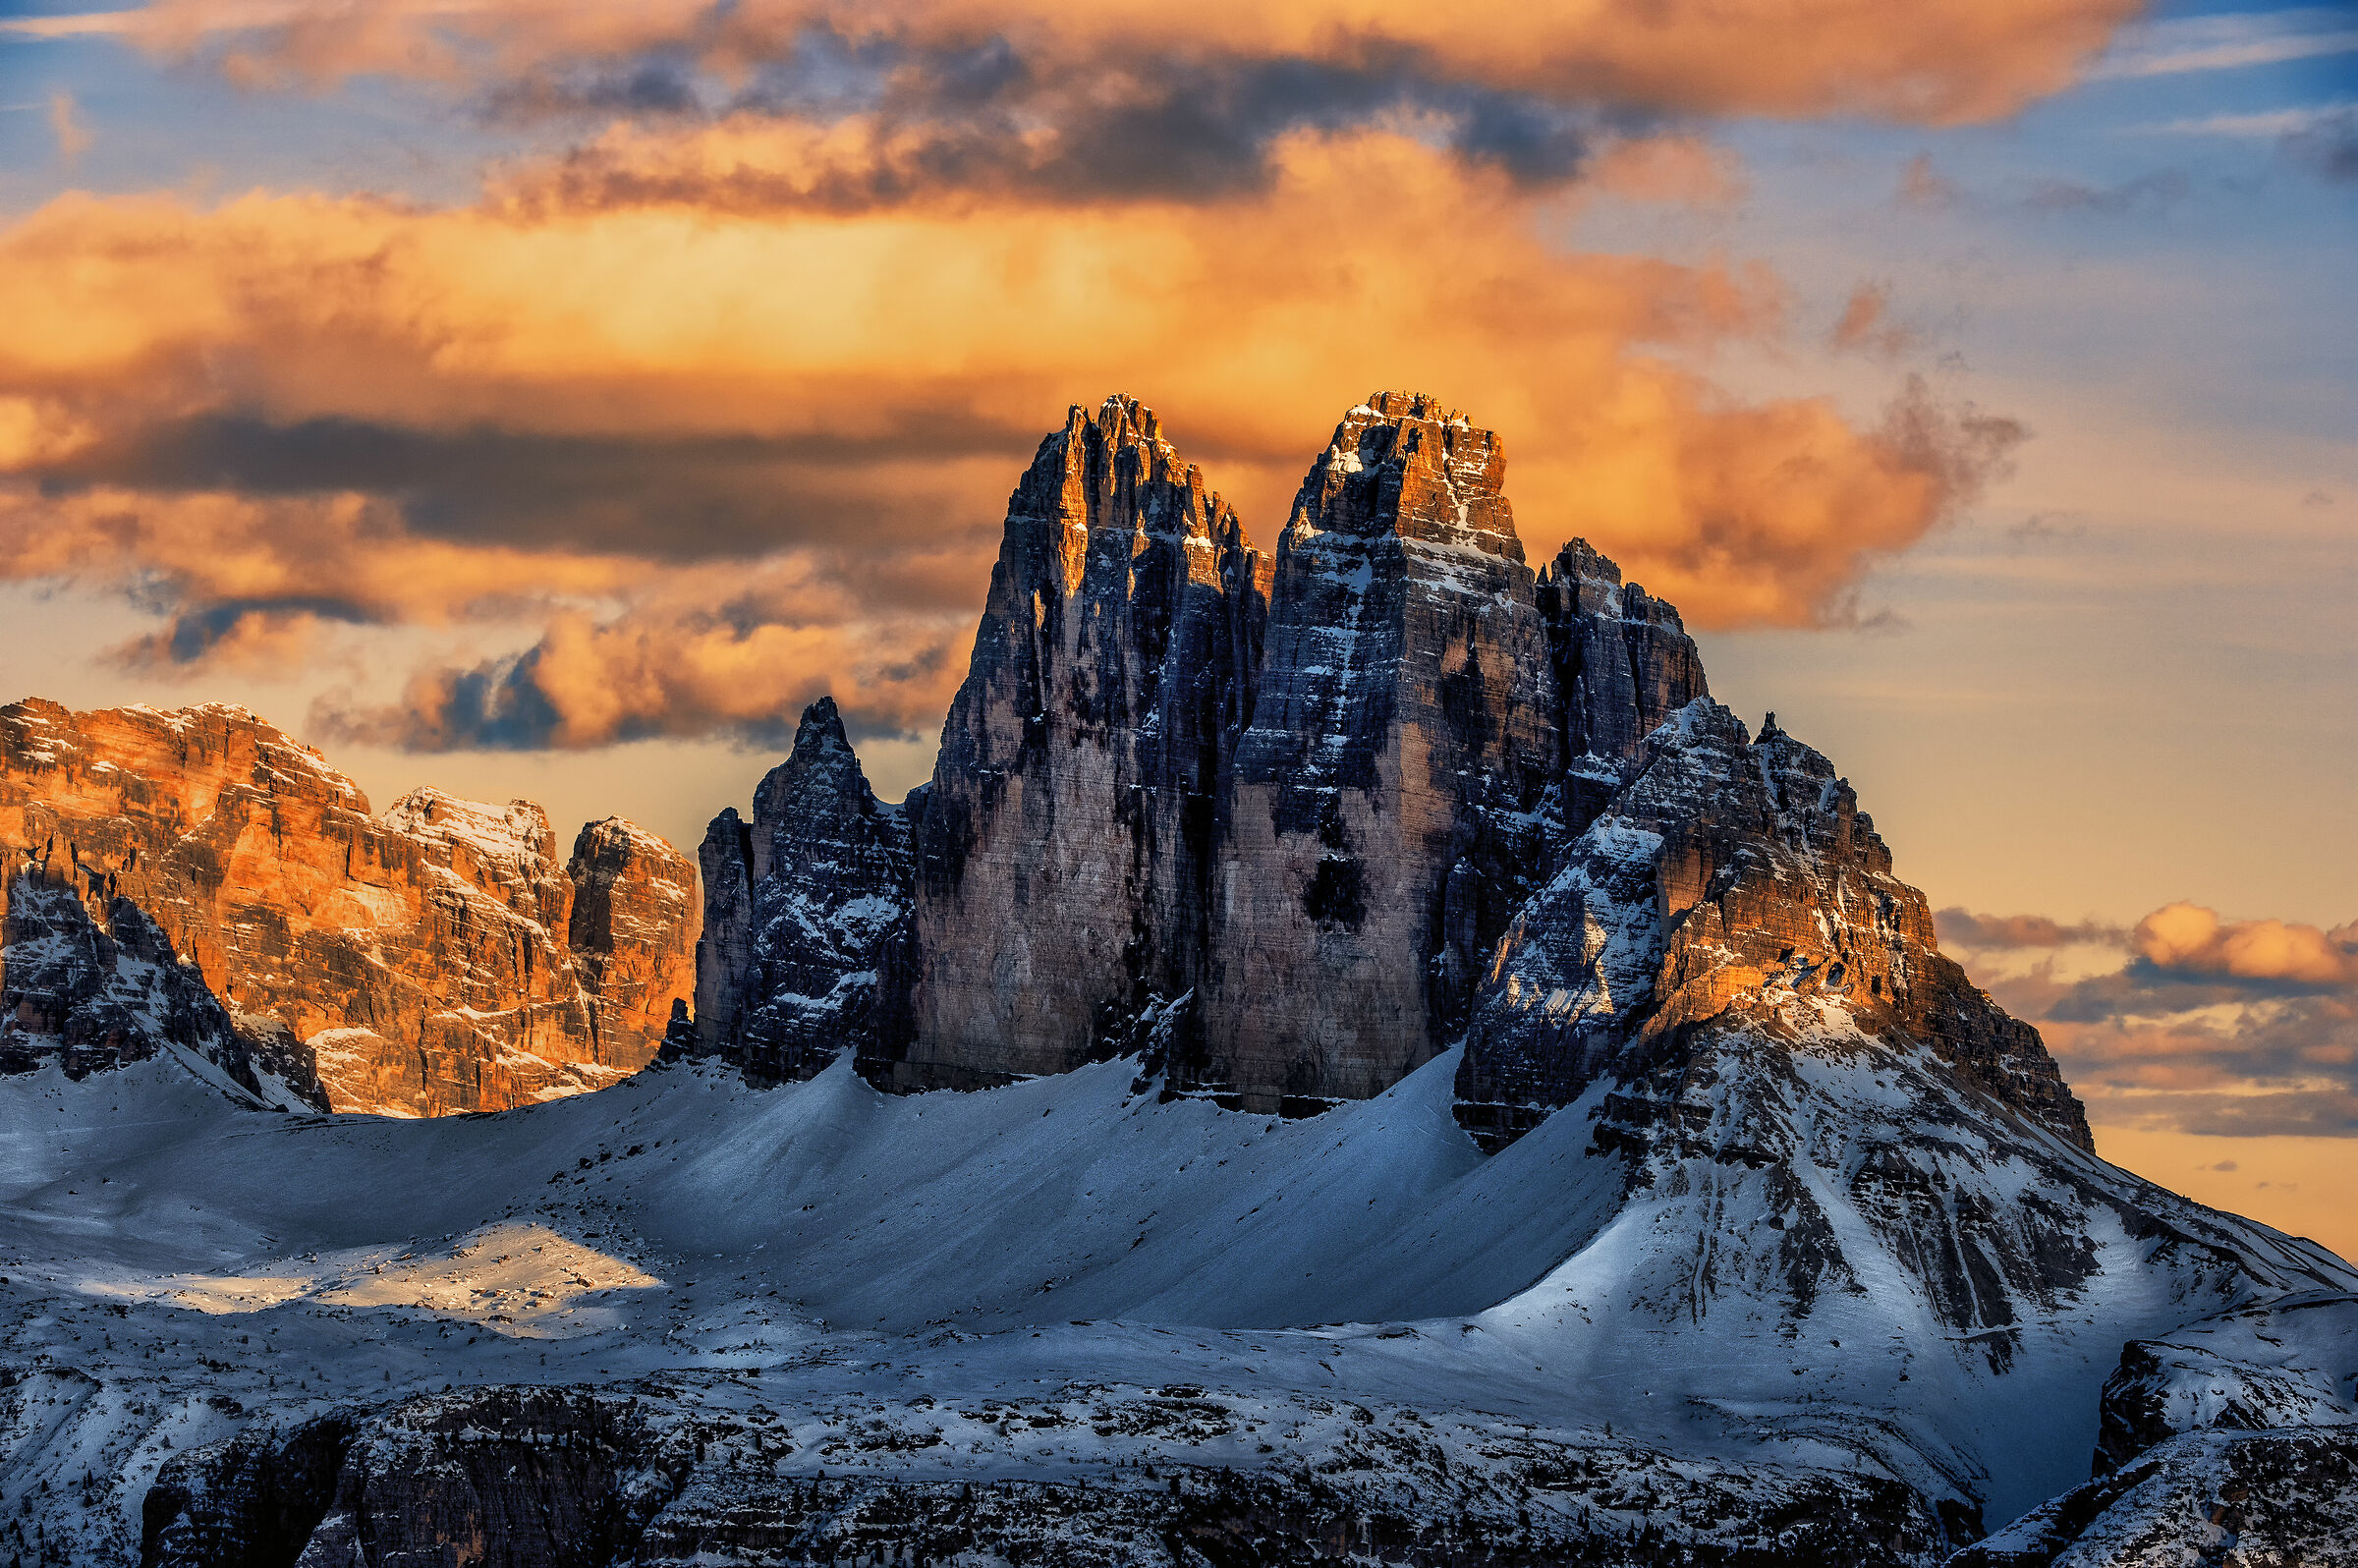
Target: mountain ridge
x=432 y=958
x=1437 y=1089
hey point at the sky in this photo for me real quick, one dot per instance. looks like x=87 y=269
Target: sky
x=549 y=398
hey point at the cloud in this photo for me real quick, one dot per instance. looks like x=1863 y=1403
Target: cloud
x=1962 y=928
x=1866 y=324
x=287 y=414
x=2188 y=939
x=2245 y=1028
x=2231 y=42
x=1940 y=61
x=72 y=138
x=1921 y=185
x=2328 y=145
x=668 y=669
x=2157 y=192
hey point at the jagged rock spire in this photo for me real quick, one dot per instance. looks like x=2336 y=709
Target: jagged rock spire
x=1379 y=811
x=1061 y=868
x=799 y=903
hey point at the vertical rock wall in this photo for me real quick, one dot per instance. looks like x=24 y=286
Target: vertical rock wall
x=1063 y=852
x=800 y=906
x=438 y=958
x=1381 y=809
x=1290 y=825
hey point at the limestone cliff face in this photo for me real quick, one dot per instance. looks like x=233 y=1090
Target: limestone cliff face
x=436 y=958
x=1725 y=878
x=801 y=906
x=635 y=908
x=1290 y=825
x=1379 y=817
x=97 y=992
x=1063 y=851
x=1624 y=663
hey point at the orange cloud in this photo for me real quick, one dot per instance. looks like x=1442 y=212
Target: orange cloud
x=2191 y=939
x=292 y=407
x=1940 y=61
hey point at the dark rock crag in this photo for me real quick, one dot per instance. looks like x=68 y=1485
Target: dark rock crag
x=1064 y=848
x=437 y=958
x=1293 y=823
x=800 y=906
x=572 y=1477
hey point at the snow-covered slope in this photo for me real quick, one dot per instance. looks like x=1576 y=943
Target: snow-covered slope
x=179 y=1269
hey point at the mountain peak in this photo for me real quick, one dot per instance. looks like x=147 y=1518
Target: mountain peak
x=1403 y=464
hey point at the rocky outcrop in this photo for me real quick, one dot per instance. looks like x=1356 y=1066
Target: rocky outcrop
x=1380 y=818
x=1624 y=663
x=1724 y=877
x=2211 y=1497
x=1289 y=826
x=436 y=958
x=1064 y=850
x=635 y=908
x=658 y=1475
x=803 y=907
x=91 y=997
x=2290 y=1362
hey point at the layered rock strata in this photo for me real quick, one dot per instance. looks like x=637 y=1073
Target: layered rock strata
x=662 y=1475
x=1066 y=847
x=1723 y=878
x=1380 y=814
x=801 y=906
x=92 y=993
x=1290 y=825
x=438 y=958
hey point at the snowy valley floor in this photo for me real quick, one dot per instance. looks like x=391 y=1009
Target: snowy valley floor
x=1058 y=1282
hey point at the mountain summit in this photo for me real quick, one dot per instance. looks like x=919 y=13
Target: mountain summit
x=1354 y=1056
x=1295 y=823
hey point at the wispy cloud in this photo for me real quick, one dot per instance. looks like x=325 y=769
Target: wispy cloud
x=72 y=137
x=2264 y=127
x=2191 y=1021
x=80 y=24
x=2226 y=43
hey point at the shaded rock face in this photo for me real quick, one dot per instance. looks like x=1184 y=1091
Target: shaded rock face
x=635 y=908
x=2225 y=1498
x=436 y=958
x=93 y=996
x=1624 y=663
x=1064 y=848
x=803 y=906
x=552 y=1478
x=1289 y=825
x=1724 y=877
x=1381 y=811
x=2292 y=1361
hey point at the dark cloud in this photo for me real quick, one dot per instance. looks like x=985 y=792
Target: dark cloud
x=743 y=672
x=2328 y=149
x=1961 y=448
x=2157 y=192
x=201 y=633
x=1963 y=928
x=674 y=499
x=984 y=119
x=2242 y=1027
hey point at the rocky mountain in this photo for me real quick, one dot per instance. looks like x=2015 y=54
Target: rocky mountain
x=1295 y=824
x=801 y=907
x=197 y=880
x=1439 y=1090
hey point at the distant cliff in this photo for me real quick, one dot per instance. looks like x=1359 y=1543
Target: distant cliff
x=198 y=880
